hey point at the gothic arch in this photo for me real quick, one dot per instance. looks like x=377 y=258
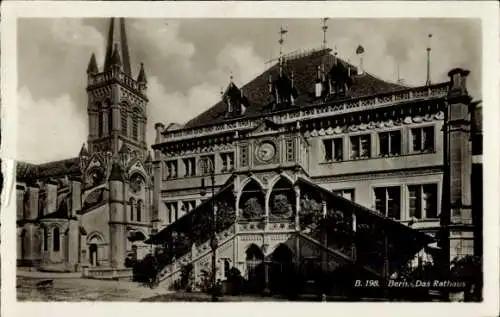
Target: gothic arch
x=281 y=251
x=252 y=251
x=131 y=169
x=280 y=198
x=251 y=200
x=95 y=237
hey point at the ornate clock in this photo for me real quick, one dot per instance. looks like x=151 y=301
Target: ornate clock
x=266 y=152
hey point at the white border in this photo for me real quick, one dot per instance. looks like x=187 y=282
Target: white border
x=486 y=11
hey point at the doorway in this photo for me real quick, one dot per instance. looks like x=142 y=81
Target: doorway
x=93 y=254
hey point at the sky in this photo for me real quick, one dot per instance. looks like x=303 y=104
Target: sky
x=189 y=61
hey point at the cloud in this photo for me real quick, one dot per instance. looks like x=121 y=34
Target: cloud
x=48 y=129
x=180 y=106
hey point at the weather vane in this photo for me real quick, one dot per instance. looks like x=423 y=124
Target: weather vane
x=283 y=31
x=324 y=28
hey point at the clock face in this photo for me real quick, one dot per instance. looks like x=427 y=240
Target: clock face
x=266 y=152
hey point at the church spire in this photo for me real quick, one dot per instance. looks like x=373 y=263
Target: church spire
x=92 y=67
x=117 y=38
x=141 y=78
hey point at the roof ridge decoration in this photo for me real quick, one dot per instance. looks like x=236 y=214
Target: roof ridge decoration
x=260 y=100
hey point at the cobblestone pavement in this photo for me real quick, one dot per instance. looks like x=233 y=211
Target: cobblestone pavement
x=68 y=288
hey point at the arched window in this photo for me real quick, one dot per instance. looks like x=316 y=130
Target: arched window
x=45 y=239
x=135 y=127
x=139 y=210
x=124 y=120
x=132 y=203
x=109 y=114
x=110 y=120
x=101 y=124
x=56 y=239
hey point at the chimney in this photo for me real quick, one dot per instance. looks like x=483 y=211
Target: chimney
x=360 y=51
x=318 y=85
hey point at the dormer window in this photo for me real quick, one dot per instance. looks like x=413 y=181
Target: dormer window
x=235 y=100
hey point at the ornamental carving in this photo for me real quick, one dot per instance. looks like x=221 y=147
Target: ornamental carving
x=94 y=177
x=136 y=183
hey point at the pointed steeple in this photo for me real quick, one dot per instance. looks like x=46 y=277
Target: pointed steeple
x=141 y=78
x=115 y=58
x=83 y=151
x=117 y=41
x=92 y=67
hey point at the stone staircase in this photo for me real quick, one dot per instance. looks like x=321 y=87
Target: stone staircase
x=172 y=272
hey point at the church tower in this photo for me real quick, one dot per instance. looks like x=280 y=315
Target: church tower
x=116 y=100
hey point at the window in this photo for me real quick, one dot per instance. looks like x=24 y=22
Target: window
x=101 y=124
x=346 y=193
x=290 y=153
x=188 y=205
x=135 y=127
x=227 y=162
x=360 y=146
x=207 y=164
x=45 y=239
x=56 y=239
x=390 y=143
x=110 y=121
x=423 y=139
x=171 y=169
x=189 y=166
x=124 y=121
x=388 y=201
x=244 y=155
x=423 y=201
x=333 y=149
x=132 y=207
x=172 y=212
x=139 y=211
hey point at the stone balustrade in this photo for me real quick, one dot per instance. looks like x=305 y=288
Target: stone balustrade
x=313 y=111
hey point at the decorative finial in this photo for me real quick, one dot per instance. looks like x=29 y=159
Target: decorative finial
x=324 y=28
x=281 y=41
x=428 y=81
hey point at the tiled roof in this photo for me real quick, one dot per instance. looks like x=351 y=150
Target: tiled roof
x=305 y=71
x=26 y=171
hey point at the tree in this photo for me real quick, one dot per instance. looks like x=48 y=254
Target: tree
x=252 y=208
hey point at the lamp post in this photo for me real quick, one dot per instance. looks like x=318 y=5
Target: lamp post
x=207 y=167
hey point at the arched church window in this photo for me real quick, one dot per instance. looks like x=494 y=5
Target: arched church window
x=101 y=124
x=135 y=128
x=107 y=106
x=124 y=120
x=132 y=207
x=139 y=210
x=56 y=242
x=45 y=239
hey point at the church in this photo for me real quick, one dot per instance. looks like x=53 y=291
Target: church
x=93 y=210
x=315 y=165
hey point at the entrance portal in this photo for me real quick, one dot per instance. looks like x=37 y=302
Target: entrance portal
x=93 y=254
x=255 y=268
x=281 y=269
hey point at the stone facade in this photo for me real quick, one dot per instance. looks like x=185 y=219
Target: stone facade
x=93 y=210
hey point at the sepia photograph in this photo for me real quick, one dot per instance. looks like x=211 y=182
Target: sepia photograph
x=316 y=159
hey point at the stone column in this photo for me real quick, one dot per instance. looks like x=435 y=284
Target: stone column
x=457 y=217
x=297 y=207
